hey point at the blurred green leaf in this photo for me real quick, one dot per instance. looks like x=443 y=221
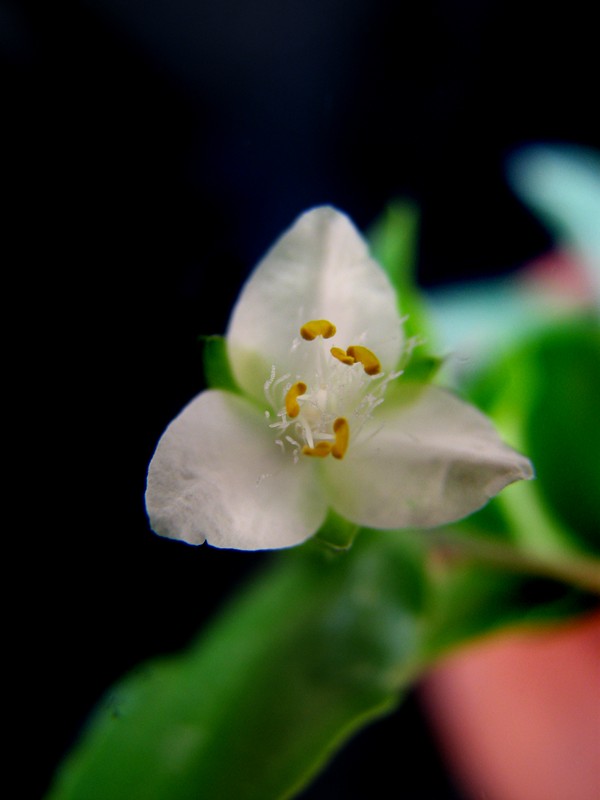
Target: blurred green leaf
x=296 y=664
x=319 y=646
x=563 y=427
x=394 y=240
x=544 y=396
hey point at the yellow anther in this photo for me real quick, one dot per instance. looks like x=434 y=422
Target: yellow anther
x=337 y=448
x=338 y=353
x=342 y=437
x=317 y=327
x=320 y=450
x=368 y=359
x=292 y=407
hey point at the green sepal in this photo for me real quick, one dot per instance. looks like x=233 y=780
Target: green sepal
x=336 y=532
x=217 y=369
x=422 y=368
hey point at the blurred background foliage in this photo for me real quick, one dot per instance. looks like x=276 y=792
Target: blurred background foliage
x=152 y=152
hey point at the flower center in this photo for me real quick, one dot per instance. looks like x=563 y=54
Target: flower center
x=330 y=392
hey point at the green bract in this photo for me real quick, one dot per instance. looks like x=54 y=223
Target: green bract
x=325 y=420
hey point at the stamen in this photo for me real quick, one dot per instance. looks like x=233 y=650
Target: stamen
x=342 y=437
x=338 y=353
x=320 y=450
x=311 y=409
x=292 y=406
x=367 y=358
x=317 y=327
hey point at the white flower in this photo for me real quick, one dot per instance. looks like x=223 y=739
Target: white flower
x=325 y=420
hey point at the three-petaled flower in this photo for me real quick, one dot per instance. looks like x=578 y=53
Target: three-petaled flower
x=324 y=419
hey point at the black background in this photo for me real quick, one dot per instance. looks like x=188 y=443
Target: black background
x=152 y=152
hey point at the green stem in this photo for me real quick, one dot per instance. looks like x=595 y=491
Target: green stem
x=580 y=571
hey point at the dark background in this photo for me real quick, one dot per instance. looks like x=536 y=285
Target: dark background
x=152 y=152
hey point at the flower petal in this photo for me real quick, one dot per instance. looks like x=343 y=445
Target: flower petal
x=431 y=461
x=217 y=475
x=319 y=269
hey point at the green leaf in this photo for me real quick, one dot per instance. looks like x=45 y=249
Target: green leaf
x=320 y=645
x=217 y=370
x=543 y=396
x=394 y=240
x=297 y=664
x=563 y=427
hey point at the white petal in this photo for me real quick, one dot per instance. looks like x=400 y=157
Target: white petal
x=432 y=461
x=217 y=475
x=319 y=269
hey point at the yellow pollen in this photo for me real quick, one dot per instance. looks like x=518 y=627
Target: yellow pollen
x=338 y=353
x=317 y=327
x=320 y=450
x=342 y=437
x=292 y=407
x=368 y=359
